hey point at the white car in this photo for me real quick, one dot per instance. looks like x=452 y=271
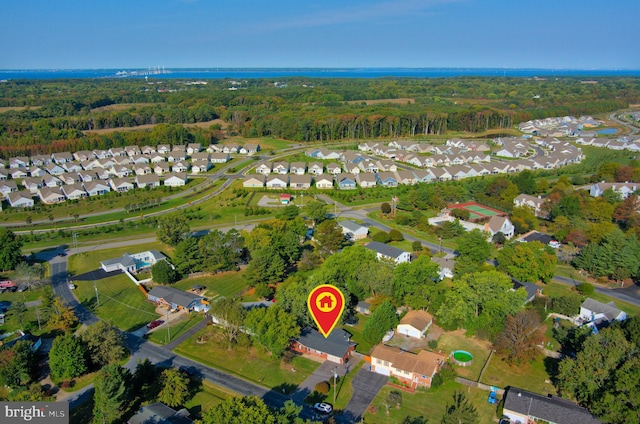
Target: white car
x=323 y=407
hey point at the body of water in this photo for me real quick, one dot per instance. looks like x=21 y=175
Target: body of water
x=270 y=73
x=607 y=131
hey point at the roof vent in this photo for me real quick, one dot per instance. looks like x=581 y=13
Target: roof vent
x=519 y=394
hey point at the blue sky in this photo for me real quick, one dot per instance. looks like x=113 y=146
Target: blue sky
x=576 y=34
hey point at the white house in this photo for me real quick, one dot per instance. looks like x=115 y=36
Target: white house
x=175 y=179
x=415 y=324
x=20 y=199
x=96 y=188
x=353 y=231
x=50 y=196
x=253 y=181
x=133 y=262
x=324 y=181
x=594 y=312
x=384 y=251
x=500 y=224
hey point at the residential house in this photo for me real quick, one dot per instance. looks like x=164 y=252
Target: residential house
x=177 y=299
x=337 y=347
x=4 y=174
x=366 y=180
x=346 y=181
x=140 y=160
x=445 y=266
x=533 y=202
x=220 y=157
x=363 y=308
x=36 y=172
x=148 y=150
x=351 y=168
x=413 y=370
x=281 y=168
x=20 y=199
x=254 y=181
x=264 y=168
x=597 y=313
x=623 y=189
x=51 y=196
x=8 y=186
x=500 y=224
x=297 y=168
x=353 y=231
x=441 y=174
x=96 y=187
x=384 y=251
x=327 y=154
x=176 y=179
x=157 y=158
x=324 y=181
x=120 y=160
x=199 y=167
x=120 y=171
x=387 y=179
x=531 y=289
x=316 y=168
x=74 y=191
x=415 y=324
x=333 y=168
x=32 y=184
x=424 y=176
x=40 y=160
x=522 y=406
x=62 y=157
x=142 y=169
x=87 y=176
x=179 y=154
x=51 y=181
x=387 y=165
x=19 y=162
x=368 y=146
x=101 y=154
x=73 y=166
x=121 y=185
x=406 y=177
x=161 y=168
x=230 y=148
x=368 y=166
x=133 y=262
x=54 y=169
x=163 y=149
x=300 y=182
x=159 y=413
x=193 y=148
x=212 y=148
x=180 y=166
x=276 y=181
x=250 y=148
x=83 y=155
x=132 y=151
x=150 y=181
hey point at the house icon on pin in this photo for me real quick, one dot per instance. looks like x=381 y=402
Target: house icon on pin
x=326 y=302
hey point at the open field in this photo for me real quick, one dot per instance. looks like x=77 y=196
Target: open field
x=146 y=127
x=122 y=106
x=177 y=327
x=250 y=363
x=399 y=101
x=225 y=284
x=210 y=395
x=533 y=376
x=10 y=108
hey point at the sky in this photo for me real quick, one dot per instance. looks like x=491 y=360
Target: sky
x=92 y=34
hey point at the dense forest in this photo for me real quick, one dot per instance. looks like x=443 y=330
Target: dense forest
x=47 y=116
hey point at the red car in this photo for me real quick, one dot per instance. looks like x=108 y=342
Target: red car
x=154 y=324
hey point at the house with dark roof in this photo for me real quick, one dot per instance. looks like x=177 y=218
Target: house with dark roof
x=531 y=289
x=384 y=251
x=177 y=299
x=521 y=406
x=159 y=413
x=353 y=231
x=336 y=348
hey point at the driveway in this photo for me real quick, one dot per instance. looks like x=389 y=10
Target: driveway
x=366 y=385
x=323 y=373
x=95 y=275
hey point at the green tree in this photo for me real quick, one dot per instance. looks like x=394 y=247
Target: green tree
x=172 y=229
x=315 y=211
x=288 y=213
x=239 y=410
x=527 y=261
x=187 y=257
x=221 y=251
x=473 y=245
x=395 y=235
x=17 y=365
x=519 y=340
x=230 y=315
x=460 y=411
x=329 y=237
x=567 y=305
x=415 y=280
x=525 y=182
x=381 y=237
x=18 y=313
x=10 y=249
x=266 y=266
x=385 y=208
x=163 y=273
x=67 y=357
x=383 y=319
x=105 y=343
x=174 y=387
x=272 y=327
x=30 y=276
x=59 y=313
x=110 y=393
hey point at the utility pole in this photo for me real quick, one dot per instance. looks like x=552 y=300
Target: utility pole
x=97 y=296
x=168 y=330
x=75 y=241
x=335 y=383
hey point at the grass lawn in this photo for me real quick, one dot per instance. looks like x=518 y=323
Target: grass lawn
x=362 y=345
x=456 y=340
x=552 y=289
x=345 y=390
x=89 y=261
x=121 y=302
x=227 y=284
x=159 y=336
x=252 y=364
x=210 y=395
x=532 y=376
x=430 y=404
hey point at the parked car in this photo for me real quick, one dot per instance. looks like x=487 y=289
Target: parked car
x=154 y=324
x=72 y=286
x=505 y=420
x=323 y=407
x=388 y=336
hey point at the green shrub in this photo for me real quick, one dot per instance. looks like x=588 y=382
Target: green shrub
x=381 y=237
x=396 y=235
x=586 y=289
x=322 y=387
x=416 y=246
x=433 y=344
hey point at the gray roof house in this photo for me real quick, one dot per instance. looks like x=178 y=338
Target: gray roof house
x=336 y=348
x=133 y=262
x=522 y=406
x=389 y=252
x=353 y=231
x=159 y=413
x=596 y=313
x=177 y=299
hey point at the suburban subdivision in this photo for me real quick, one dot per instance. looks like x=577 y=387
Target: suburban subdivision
x=161 y=275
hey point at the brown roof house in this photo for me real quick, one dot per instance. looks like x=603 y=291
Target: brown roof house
x=415 y=324
x=413 y=370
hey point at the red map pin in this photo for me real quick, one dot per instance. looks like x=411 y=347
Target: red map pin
x=326 y=303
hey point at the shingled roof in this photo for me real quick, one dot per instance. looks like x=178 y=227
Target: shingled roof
x=549 y=408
